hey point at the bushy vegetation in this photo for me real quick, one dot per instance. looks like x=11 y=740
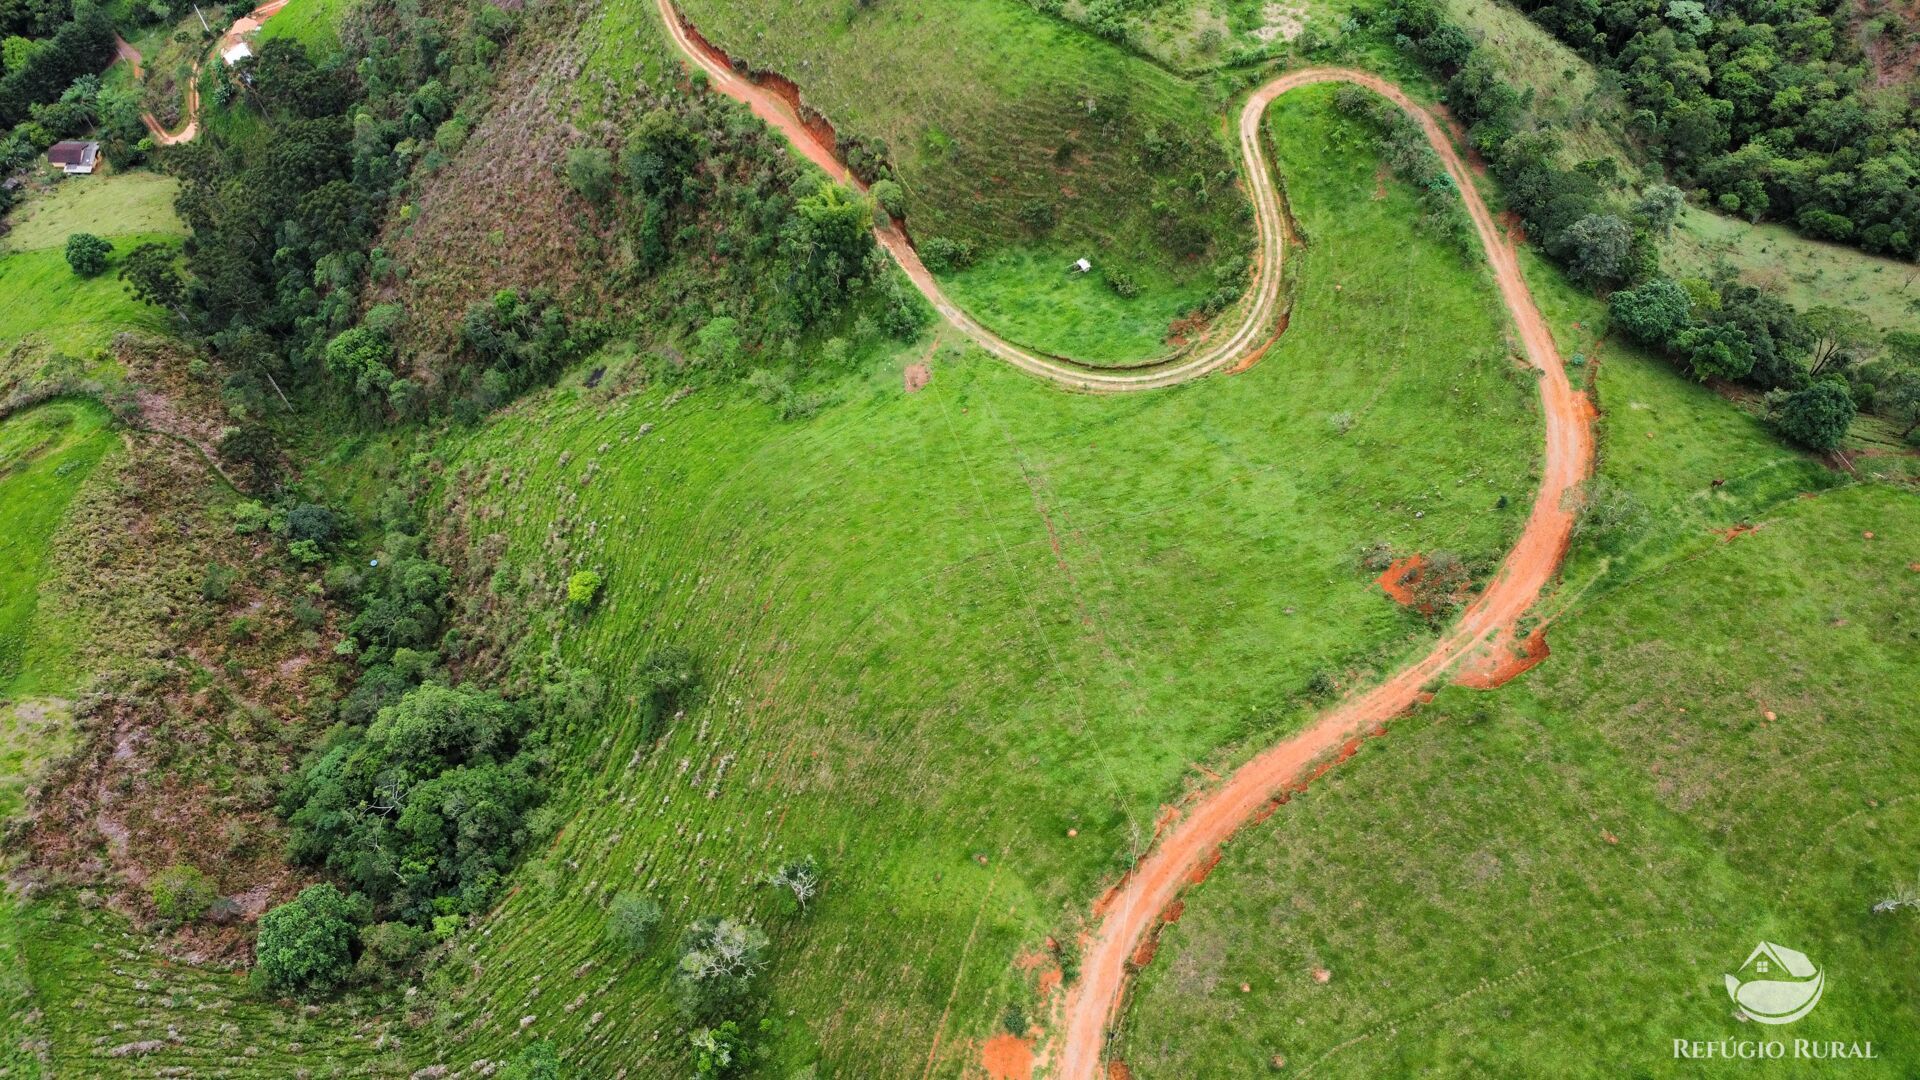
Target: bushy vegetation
x=282 y=221
x=1042 y=142
x=305 y=946
x=424 y=810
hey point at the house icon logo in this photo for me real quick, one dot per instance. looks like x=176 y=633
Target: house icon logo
x=1776 y=985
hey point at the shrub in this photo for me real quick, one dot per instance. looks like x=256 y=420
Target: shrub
x=1037 y=215
x=582 y=588
x=670 y=677
x=1653 y=313
x=631 y=920
x=537 y=1062
x=181 y=893
x=362 y=356
x=310 y=521
x=388 y=948
x=1610 y=514
x=801 y=877
x=590 y=171
x=305 y=945
x=1818 y=416
x=1122 y=284
x=249 y=517
x=891 y=197
x=217 y=584
x=943 y=255
x=719 y=1051
x=87 y=254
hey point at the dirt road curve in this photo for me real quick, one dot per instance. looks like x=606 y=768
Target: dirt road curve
x=1484 y=632
x=241 y=27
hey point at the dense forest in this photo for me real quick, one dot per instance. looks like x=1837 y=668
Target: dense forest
x=1773 y=108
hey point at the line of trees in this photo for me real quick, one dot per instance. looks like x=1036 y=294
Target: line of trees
x=1817 y=367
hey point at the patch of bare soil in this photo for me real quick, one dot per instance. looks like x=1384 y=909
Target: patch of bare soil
x=1007 y=1057
x=916 y=377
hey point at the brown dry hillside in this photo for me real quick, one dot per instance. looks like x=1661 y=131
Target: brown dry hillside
x=500 y=213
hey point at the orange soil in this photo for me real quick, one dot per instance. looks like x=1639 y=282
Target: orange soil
x=1487 y=628
x=774 y=100
x=1396 y=582
x=1008 y=1057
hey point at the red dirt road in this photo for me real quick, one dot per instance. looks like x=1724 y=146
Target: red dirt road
x=1482 y=641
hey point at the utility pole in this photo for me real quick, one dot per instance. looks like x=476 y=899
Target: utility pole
x=203 y=19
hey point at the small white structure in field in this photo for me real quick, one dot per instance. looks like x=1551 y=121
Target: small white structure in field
x=239 y=51
x=1081 y=266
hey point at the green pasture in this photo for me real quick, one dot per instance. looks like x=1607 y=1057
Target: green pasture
x=940 y=631
x=68 y=313
x=990 y=109
x=116 y=204
x=1553 y=878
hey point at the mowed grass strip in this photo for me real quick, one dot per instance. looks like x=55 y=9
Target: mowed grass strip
x=45 y=455
x=1552 y=879
x=941 y=631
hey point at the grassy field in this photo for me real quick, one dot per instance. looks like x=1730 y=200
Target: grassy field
x=45 y=455
x=313 y=23
x=941 y=631
x=122 y=204
x=66 y=312
x=1635 y=821
x=81 y=994
x=990 y=110
x=1552 y=879
x=1030 y=296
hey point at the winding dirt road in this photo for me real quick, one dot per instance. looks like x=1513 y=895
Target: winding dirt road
x=241 y=27
x=1480 y=642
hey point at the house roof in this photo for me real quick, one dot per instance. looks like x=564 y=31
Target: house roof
x=72 y=153
x=237 y=52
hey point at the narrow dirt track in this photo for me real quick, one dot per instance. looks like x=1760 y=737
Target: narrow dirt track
x=1476 y=643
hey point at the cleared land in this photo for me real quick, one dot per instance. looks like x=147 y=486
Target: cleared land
x=991 y=614
x=64 y=311
x=313 y=23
